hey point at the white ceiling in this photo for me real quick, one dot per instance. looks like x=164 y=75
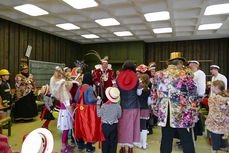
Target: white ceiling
x=185 y=17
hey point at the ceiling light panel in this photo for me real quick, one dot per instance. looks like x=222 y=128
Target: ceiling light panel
x=123 y=33
x=31 y=10
x=68 y=26
x=162 y=30
x=157 y=16
x=217 y=9
x=210 y=26
x=107 y=22
x=90 y=36
x=81 y=4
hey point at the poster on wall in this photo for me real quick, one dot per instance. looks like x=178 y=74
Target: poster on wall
x=42 y=71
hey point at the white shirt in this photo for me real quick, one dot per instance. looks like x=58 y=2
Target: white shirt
x=200 y=82
x=219 y=77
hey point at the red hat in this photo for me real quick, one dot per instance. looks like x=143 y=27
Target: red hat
x=127 y=79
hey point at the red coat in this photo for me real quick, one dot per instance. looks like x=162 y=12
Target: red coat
x=102 y=84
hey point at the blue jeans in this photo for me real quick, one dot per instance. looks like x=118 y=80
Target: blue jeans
x=217 y=141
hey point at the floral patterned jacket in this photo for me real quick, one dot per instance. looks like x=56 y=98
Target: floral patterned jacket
x=24 y=85
x=176 y=92
x=218 y=117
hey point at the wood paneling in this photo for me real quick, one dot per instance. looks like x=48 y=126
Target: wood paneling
x=216 y=50
x=15 y=38
x=117 y=52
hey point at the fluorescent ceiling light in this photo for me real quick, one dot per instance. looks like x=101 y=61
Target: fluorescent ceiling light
x=90 y=36
x=162 y=30
x=123 y=33
x=68 y=26
x=31 y=10
x=210 y=26
x=217 y=9
x=157 y=16
x=81 y=4
x=107 y=22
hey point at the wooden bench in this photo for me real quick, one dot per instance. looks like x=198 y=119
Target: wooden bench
x=6 y=121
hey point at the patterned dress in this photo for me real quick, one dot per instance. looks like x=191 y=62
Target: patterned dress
x=25 y=105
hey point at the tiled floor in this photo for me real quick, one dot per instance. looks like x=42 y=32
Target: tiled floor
x=20 y=129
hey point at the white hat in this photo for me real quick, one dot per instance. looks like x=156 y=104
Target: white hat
x=215 y=66
x=113 y=94
x=44 y=89
x=194 y=61
x=38 y=141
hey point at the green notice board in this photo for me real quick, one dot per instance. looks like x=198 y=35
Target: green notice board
x=42 y=71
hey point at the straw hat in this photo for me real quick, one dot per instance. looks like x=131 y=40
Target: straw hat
x=113 y=94
x=38 y=141
x=44 y=90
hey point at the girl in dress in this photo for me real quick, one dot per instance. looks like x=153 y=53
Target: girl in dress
x=59 y=88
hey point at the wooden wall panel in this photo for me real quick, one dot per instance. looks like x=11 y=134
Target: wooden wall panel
x=15 y=38
x=216 y=50
x=117 y=52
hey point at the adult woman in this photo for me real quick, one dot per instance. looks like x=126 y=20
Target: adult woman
x=25 y=105
x=129 y=123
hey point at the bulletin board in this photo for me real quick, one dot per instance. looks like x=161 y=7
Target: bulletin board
x=42 y=71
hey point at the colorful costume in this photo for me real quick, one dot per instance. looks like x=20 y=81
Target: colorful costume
x=48 y=106
x=102 y=79
x=176 y=105
x=218 y=117
x=25 y=105
x=87 y=125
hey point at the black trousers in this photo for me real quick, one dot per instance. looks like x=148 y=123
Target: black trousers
x=185 y=137
x=111 y=138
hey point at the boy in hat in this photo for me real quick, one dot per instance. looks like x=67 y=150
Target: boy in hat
x=214 y=69
x=5 y=90
x=110 y=112
x=103 y=76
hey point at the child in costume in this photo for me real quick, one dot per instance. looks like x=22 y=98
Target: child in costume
x=87 y=126
x=110 y=112
x=145 y=100
x=217 y=121
x=59 y=88
x=48 y=107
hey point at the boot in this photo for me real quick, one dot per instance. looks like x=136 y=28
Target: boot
x=130 y=150
x=144 y=139
x=122 y=150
